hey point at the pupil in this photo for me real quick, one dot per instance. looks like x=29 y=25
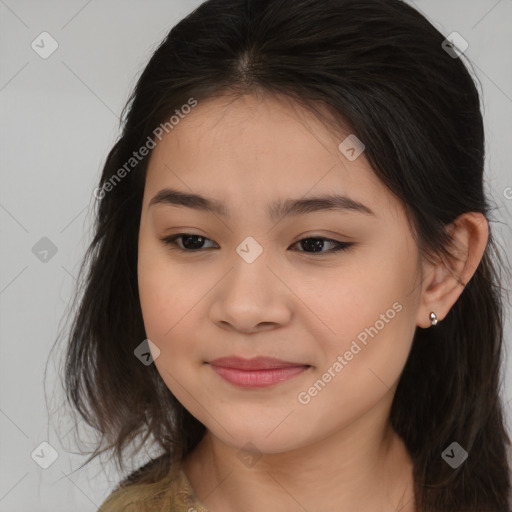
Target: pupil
x=314 y=243
x=187 y=238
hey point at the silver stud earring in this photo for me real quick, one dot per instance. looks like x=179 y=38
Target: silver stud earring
x=433 y=318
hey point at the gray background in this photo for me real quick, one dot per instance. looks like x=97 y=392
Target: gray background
x=59 y=119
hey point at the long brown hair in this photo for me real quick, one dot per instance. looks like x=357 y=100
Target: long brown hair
x=381 y=68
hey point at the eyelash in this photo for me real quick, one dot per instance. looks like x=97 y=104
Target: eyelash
x=339 y=246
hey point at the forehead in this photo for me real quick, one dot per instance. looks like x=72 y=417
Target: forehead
x=256 y=148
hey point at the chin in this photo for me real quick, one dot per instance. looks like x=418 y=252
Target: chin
x=260 y=438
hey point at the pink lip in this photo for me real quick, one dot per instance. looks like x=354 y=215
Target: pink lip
x=257 y=372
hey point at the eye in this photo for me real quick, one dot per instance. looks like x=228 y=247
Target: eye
x=194 y=243
x=190 y=242
x=316 y=244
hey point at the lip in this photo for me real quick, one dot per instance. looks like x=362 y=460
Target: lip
x=257 y=372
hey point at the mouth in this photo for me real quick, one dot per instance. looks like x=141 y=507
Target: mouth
x=258 y=372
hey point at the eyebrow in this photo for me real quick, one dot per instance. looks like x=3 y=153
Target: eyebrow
x=277 y=210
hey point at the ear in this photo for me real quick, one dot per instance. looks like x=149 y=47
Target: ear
x=444 y=281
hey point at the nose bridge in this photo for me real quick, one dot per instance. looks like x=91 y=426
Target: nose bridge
x=249 y=279
x=250 y=294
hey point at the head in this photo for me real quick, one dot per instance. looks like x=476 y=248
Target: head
x=256 y=106
x=262 y=283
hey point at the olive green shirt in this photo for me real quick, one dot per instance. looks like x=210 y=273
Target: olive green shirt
x=172 y=494
x=183 y=498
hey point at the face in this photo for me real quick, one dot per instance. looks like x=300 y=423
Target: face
x=250 y=281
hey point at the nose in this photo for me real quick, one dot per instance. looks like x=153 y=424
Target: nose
x=251 y=298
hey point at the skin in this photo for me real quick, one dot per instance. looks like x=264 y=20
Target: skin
x=338 y=451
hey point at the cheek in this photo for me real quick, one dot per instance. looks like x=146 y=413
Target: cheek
x=166 y=292
x=170 y=301
x=375 y=325
x=155 y=295
x=374 y=291
x=361 y=364
x=165 y=304
x=336 y=398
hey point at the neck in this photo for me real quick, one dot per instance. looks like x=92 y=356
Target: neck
x=354 y=469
